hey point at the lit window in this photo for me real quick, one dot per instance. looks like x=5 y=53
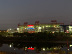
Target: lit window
x=43 y=49
x=39 y=27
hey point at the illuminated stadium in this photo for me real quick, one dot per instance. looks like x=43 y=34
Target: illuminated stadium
x=42 y=27
x=37 y=27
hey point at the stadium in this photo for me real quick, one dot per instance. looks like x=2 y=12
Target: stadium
x=40 y=27
x=54 y=26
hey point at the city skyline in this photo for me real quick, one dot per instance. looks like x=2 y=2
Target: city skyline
x=13 y=12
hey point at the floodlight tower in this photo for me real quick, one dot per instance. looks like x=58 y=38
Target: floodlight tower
x=54 y=21
x=25 y=23
x=36 y=22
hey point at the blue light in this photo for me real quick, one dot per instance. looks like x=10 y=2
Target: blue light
x=30 y=28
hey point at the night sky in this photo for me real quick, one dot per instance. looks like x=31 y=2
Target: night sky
x=13 y=12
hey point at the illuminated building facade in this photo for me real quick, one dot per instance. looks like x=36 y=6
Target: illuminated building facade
x=39 y=28
x=66 y=28
x=45 y=27
x=10 y=30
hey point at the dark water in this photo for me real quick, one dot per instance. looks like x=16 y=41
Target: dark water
x=21 y=48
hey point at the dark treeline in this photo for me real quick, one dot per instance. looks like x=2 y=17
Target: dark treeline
x=41 y=39
x=38 y=37
x=44 y=36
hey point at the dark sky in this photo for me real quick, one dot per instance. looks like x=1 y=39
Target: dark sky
x=13 y=12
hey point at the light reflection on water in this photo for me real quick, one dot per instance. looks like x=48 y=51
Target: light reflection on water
x=33 y=48
x=10 y=48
